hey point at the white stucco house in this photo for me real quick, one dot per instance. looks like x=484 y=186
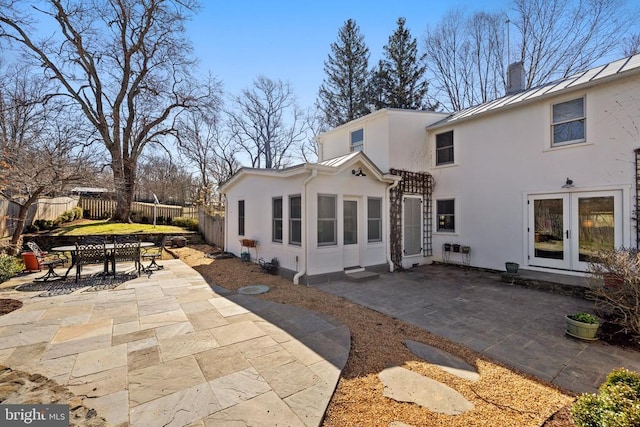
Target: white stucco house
x=544 y=177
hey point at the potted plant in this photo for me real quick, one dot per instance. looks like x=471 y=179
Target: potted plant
x=582 y=325
x=511 y=267
x=455 y=247
x=465 y=249
x=447 y=247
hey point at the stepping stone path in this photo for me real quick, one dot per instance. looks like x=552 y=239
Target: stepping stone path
x=446 y=361
x=403 y=385
x=253 y=289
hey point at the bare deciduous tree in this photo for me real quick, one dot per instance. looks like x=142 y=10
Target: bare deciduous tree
x=464 y=58
x=123 y=63
x=200 y=141
x=266 y=123
x=42 y=146
x=171 y=182
x=560 y=37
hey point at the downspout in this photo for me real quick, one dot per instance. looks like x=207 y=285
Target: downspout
x=388 y=245
x=226 y=223
x=303 y=269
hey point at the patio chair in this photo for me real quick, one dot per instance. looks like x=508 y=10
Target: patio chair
x=153 y=253
x=46 y=260
x=87 y=253
x=125 y=248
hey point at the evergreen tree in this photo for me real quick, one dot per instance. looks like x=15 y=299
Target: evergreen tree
x=400 y=78
x=344 y=95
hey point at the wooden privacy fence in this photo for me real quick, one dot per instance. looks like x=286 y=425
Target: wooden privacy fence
x=103 y=209
x=44 y=208
x=211 y=227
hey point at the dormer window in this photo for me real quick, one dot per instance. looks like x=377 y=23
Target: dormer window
x=357 y=140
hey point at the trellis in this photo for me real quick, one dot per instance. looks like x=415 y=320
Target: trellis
x=414 y=183
x=637 y=210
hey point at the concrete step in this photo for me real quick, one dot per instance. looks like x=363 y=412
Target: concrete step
x=563 y=284
x=361 y=276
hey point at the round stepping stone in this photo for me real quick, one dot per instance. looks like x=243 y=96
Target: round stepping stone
x=445 y=361
x=403 y=385
x=253 y=289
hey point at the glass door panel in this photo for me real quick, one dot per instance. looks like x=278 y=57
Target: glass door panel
x=549 y=228
x=596 y=226
x=350 y=222
x=549 y=244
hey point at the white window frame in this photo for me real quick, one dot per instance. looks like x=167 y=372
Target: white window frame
x=448 y=147
x=334 y=220
x=275 y=220
x=377 y=219
x=242 y=207
x=582 y=118
x=454 y=215
x=359 y=144
x=295 y=220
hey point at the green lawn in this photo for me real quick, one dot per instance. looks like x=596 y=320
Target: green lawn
x=89 y=228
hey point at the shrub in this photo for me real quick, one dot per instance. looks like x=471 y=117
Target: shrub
x=78 y=212
x=621 y=302
x=31 y=229
x=144 y=220
x=86 y=213
x=616 y=404
x=9 y=267
x=188 y=223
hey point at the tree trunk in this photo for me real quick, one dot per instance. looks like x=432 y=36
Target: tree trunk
x=14 y=246
x=124 y=177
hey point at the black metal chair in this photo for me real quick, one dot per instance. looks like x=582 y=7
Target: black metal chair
x=125 y=248
x=88 y=253
x=154 y=253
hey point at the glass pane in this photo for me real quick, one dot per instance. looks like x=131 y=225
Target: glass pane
x=596 y=226
x=350 y=222
x=374 y=230
x=548 y=228
x=277 y=230
x=357 y=137
x=277 y=208
x=570 y=131
x=444 y=155
x=374 y=208
x=412 y=226
x=568 y=110
x=295 y=234
x=295 y=206
x=326 y=207
x=326 y=232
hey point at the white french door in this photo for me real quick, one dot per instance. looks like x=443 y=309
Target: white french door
x=567 y=230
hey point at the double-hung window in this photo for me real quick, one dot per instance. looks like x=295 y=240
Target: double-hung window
x=568 y=125
x=374 y=219
x=276 y=218
x=326 y=220
x=241 y=217
x=444 y=148
x=446 y=214
x=357 y=140
x=295 y=220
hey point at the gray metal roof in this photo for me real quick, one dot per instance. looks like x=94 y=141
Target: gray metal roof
x=610 y=71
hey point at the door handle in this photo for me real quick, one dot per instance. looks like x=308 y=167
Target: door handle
x=567 y=233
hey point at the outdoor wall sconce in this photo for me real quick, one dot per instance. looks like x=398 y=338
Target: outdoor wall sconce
x=358 y=172
x=568 y=184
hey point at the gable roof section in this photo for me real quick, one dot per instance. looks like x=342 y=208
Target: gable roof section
x=598 y=75
x=329 y=167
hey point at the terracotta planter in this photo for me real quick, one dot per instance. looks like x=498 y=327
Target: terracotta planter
x=584 y=331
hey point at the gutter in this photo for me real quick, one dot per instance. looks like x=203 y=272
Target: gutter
x=388 y=245
x=226 y=233
x=303 y=270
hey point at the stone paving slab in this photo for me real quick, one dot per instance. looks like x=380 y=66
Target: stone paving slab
x=169 y=349
x=520 y=327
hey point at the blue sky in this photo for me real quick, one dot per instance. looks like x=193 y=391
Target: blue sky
x=290 y=40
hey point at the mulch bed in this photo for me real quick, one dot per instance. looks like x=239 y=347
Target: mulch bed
x=9 y=305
